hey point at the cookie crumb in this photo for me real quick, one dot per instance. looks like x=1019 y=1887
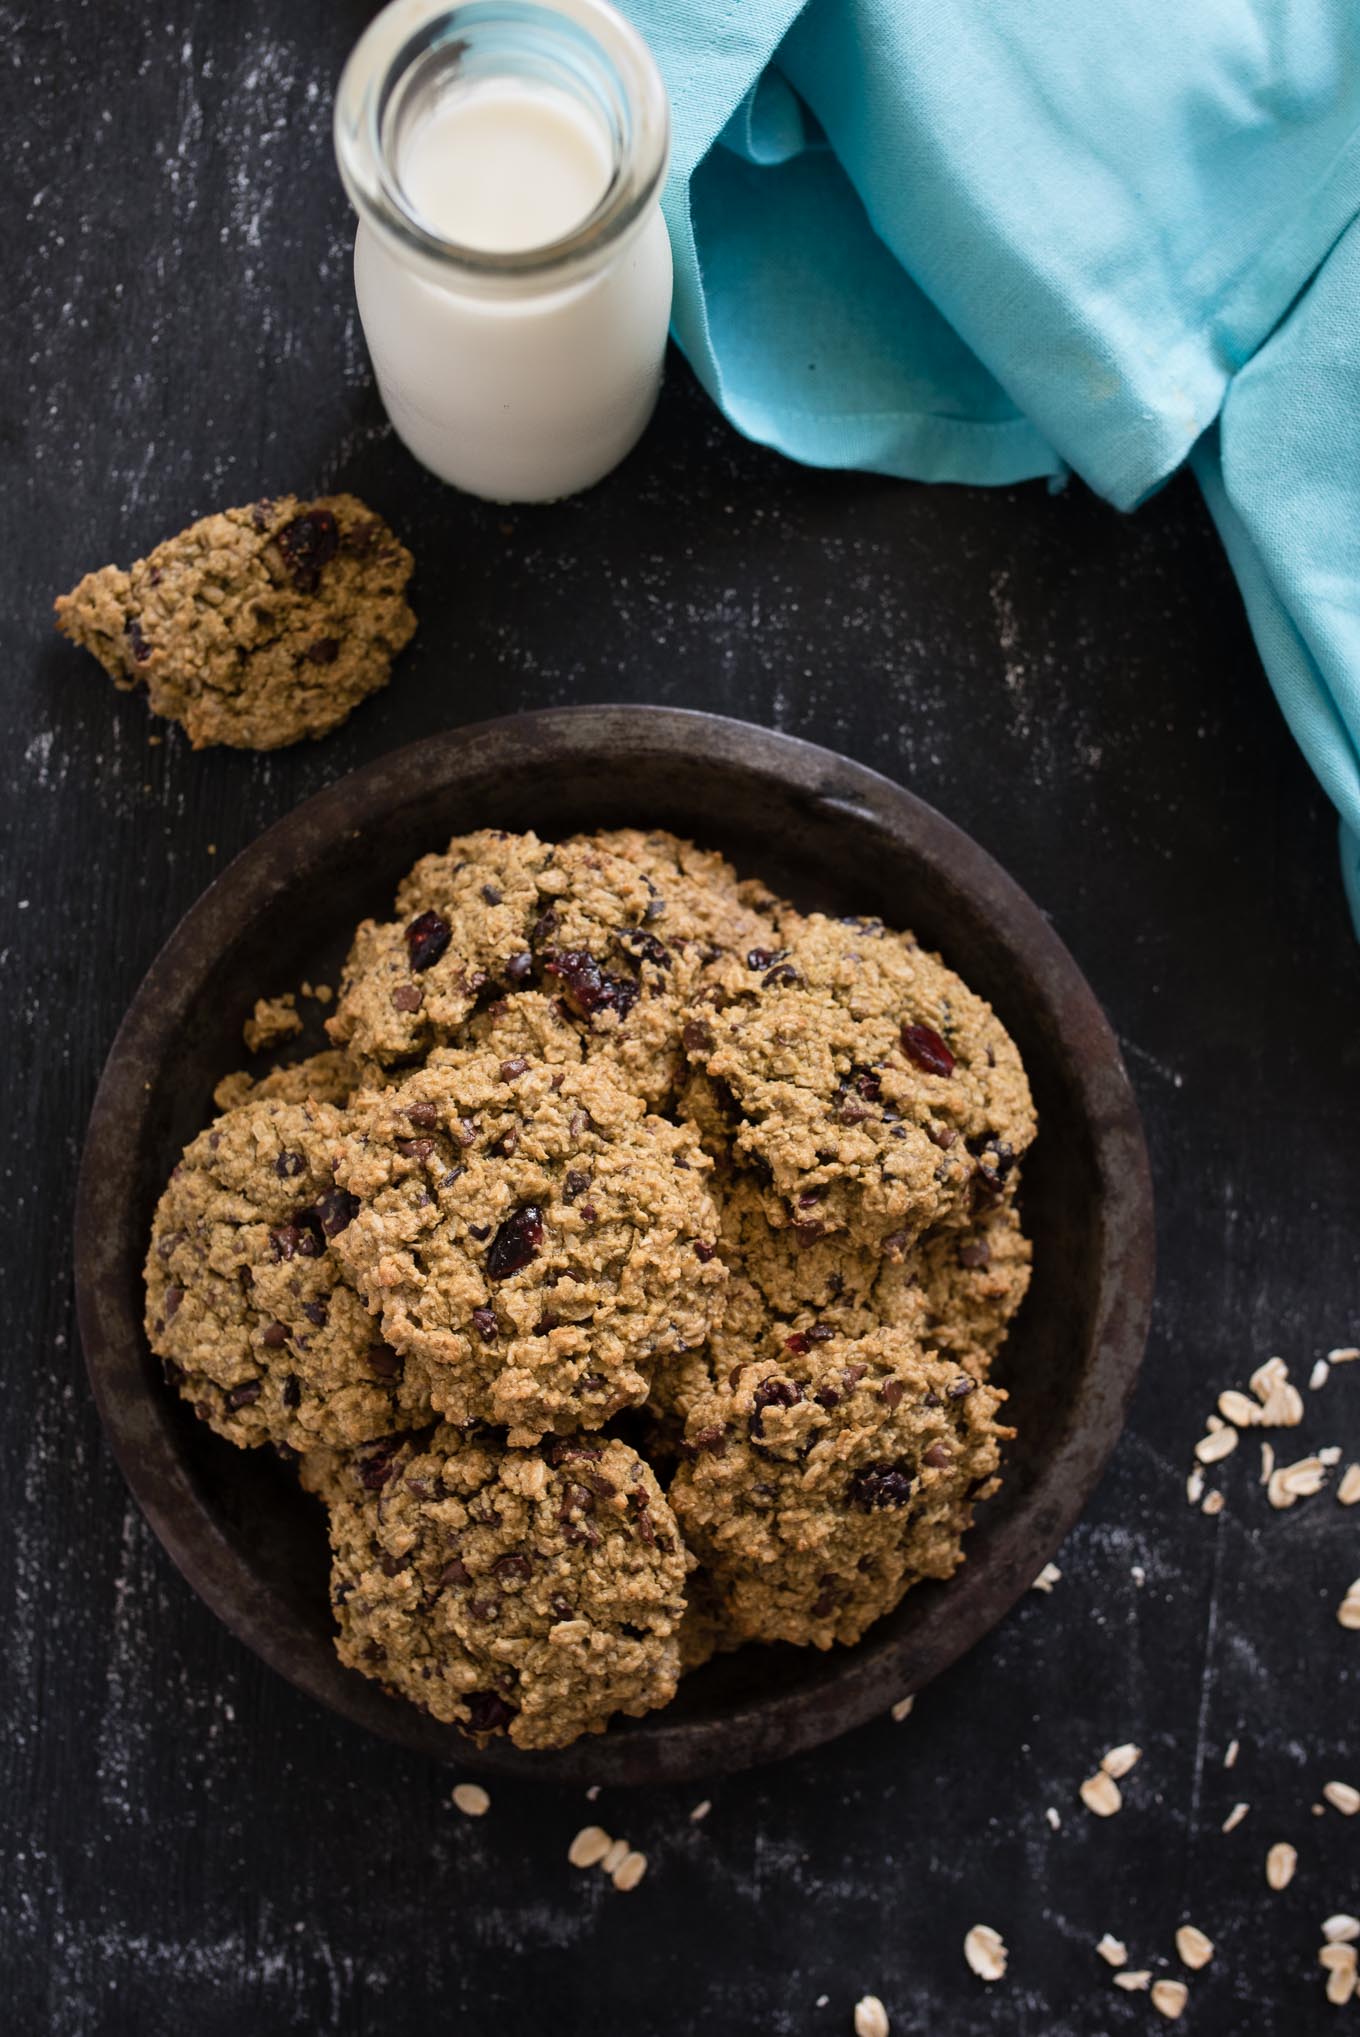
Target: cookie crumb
x=1100 y=1794
x=1213 y=1503
x=629 y=1871
x=471 y=1799
x=1047 y=1578
x=1194 y=1947
x=593 y=1793
x=1343 y=1797
x=985 y=1951
x=1054 y=1820
x=1281 y=1861
x=589 y=1847
x=1113 y=1950
x=871 y=2018
x=1169 y=1998
x=902 y=1709
x=273 y=1019
x=1234 y=1817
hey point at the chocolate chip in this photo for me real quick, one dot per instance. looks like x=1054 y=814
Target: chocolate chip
x=646 y=946
x=891 y=1392
x=559 y=1607
x=426 y=939
x=274 y=1335
x=455 y=1571
x=392 y=1566
x=697 y=1038
x=292 y=1391
x=141 y=649
x=975 y=1253
x=516 y=1244
x=961 y=1387
x=426 y=1115
x=487 y=1326
x=245 y=1396
x=336 y=1210
x=289 y=1165
x=324 y=651
x=783 y=974
x=880 y=1485
x=415 y=1149
x=937 y=1456
x=761 y=958
x=173 y=1297
x=484 y=1609
x=407 y=997
x=491 y=894
x=375 y=1465
x=479 y=1231
x=941 y=1136
x=513 y=1566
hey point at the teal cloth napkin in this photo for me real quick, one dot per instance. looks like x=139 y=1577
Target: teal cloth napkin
x=984 y=243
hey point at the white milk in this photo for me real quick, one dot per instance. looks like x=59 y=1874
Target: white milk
x=529 y=374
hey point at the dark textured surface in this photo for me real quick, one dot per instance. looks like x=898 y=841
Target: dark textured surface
x=188 y=1842
x=824 y=832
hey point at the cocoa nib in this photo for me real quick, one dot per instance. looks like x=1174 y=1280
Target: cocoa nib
x=426 y=939
x=880 y=1485
x=923 y=1045
x=308 y=544
x=516 y=1244
x=587 y=987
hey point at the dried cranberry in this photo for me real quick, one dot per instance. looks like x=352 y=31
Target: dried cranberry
x=324 y=651
x=797 y=1343
x=375 y=1466
x=559 y=1607
x=713 y=1438
x=336 y=1210
x=576 y=1184
x=487 y=1713
x=516 y=1244
x=923 y=1045
x=587 y=986
x=484 y=1609
x=880 y=1485
x=869 y=1086
x=308 y=544
x=853 y=1113
x=513 y=1565
x=426 y=939
x=761 y=958
x=485 y=1320
x=703 y=1251
x=827 y=1596
x=173 y=1297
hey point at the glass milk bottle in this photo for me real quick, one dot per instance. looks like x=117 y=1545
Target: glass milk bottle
x=512 y=267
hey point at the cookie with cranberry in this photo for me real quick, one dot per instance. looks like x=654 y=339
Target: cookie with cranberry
x=532 y=1234
x=249 y=1305
x=822 y=1482
x=257 y=626
x=533 y=1593
x=864 y=1085
x=327 y=1077
x=972 y=1282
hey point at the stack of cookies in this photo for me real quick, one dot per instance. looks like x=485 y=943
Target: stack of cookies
x=625 y=1280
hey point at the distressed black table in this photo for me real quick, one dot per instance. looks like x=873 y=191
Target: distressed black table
x=190 y=1844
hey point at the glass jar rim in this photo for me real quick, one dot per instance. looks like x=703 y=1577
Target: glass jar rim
x=407 y=31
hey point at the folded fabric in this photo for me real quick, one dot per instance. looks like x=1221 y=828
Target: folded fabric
x=986 y=244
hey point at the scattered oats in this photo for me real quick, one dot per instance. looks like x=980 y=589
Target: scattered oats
x=1213 y=1424
x=1235 y=1817
x=1137 y=1982
x=1054 y=1820
x=1296 y=1481
x=630 y=1871
x=471 y=1799
x=1195 y=1949
x=1213 y=1503
x=1120 y=1760
x=1138 y=1574
x=1280 y=1864
x=1317 y=1378
x=1169 y=1998
x=1342 y=1929
x=589 y=1846
x=902 y=1709
x=822 y=2001
x=1219 y=1443
x=1348 y=1492
x=1100 y=1793
x=985 y=1951
x=1267 y=1462
x=871 y=2018
x=1345 y=1355
x=1331 y=1456
x=1113 y=1951
x=1234 y=1749
x=1047 y=1578
x=1194 y=1487
x=1343 y=1797
x=1340 y=1962
x=1239 y=1408
x=700 y=1812
x=1348 y=1612
x=1268 y=1377
x=612 y=1859
x=593 y=1793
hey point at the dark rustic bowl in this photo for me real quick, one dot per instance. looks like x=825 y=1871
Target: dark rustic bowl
x=830 y=834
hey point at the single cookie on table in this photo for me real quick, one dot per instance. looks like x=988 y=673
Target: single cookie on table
x=534 y=1593
x=821 y=1482
x=257 y=626
x=327 y=1077
x=496 y=915
x=531 y=1234
x=249 y=1306
x=863 y=1083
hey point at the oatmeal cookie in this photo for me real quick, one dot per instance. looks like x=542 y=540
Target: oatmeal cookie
x=532 y=1234
x=823 y=1481
x=591 y=933
x=272 y=1020
x=248 y=1303
x=255 y=627
x=864 y=1084
x=533 y=1593
x=328 y=1077
x=972 y=1282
